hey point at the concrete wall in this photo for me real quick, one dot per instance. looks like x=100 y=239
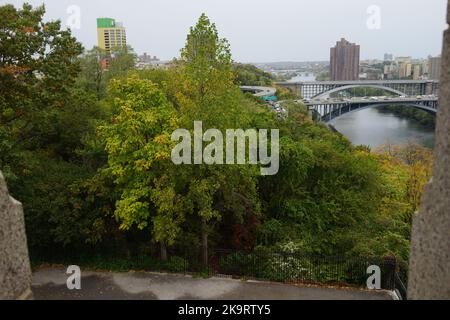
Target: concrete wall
x=15 y=272
x=429 y=276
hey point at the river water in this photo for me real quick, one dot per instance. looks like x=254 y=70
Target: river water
x=303 y=77
x=374 y=128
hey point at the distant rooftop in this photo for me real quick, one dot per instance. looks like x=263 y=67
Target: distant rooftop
x=106 y=23
x=345 y=42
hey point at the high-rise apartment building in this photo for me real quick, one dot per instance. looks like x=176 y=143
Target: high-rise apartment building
x=344 y=61
x=405 y=70
x=111 y=34
x=434 y=68
x=417 y=72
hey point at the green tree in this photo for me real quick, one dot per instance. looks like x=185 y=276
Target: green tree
x=37 y=67
x=209 y=94
x=139 y=148
x=249 y=75
x=92 y=78
x=98 y=67
x=325 y=192
x=44 y=120
x=122 y=60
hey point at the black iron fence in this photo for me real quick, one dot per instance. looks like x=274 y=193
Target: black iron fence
x=295 y=267
x=263 y=264
x=292 y=267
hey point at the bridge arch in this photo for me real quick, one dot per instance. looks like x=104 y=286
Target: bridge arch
x=334 y=114
x=327 y=93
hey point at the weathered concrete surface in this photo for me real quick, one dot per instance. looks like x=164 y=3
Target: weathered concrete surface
x=15 y=272
x=429 y=276
x=50 y=284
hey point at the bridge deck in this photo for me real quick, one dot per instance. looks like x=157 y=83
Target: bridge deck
x=368 y=101
x=330 y=109
x=360 y=82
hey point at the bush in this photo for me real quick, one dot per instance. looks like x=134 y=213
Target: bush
x=242 y=264
x=288 y=267
x=176 y=264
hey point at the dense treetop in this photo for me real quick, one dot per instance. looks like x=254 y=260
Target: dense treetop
x=87 y=151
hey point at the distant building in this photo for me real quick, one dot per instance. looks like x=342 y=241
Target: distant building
x=425 y=66
x=111 y=34
x=405 y=67
x=400 y=60
x=390 y=71
x=405 y=70
x=388 y=57
x=147 y=61
x=370 y=69
x=147 y=58
x=434 y=68
x=344 y=61
x=374 y=74
x=387 y=70
x=417 y=73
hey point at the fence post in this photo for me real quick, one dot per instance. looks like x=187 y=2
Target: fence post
x=390 y=268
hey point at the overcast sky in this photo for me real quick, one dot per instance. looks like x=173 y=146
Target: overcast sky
x=267 y=30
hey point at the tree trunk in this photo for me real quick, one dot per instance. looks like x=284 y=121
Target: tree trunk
x=163 y=251
x=204 y=243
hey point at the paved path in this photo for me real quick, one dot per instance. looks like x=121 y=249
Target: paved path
x=50 y=284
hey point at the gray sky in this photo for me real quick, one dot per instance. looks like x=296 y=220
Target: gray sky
x=267 y=30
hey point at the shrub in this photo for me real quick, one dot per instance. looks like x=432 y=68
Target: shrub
x=177 y=264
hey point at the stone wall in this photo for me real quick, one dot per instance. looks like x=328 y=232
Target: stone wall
x=429 y=276
x=15 y=272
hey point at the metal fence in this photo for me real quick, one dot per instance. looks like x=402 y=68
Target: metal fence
x=293 y=268
x=262 y=264
x=400 y=286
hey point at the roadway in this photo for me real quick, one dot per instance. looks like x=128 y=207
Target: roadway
x=259 y=91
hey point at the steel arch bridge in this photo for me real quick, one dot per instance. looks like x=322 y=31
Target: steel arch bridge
x=319 y=89
x=331 y=109
x=338 y=89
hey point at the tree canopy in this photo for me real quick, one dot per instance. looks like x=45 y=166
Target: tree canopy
x=88 y=152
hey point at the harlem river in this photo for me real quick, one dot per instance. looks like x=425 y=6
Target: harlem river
x=374 y=128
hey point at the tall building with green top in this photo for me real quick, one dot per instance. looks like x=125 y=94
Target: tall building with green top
x=111 y=34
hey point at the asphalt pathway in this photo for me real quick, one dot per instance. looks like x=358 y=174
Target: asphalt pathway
x=50 y=284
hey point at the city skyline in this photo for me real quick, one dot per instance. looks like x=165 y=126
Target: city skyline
x=258 y=34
